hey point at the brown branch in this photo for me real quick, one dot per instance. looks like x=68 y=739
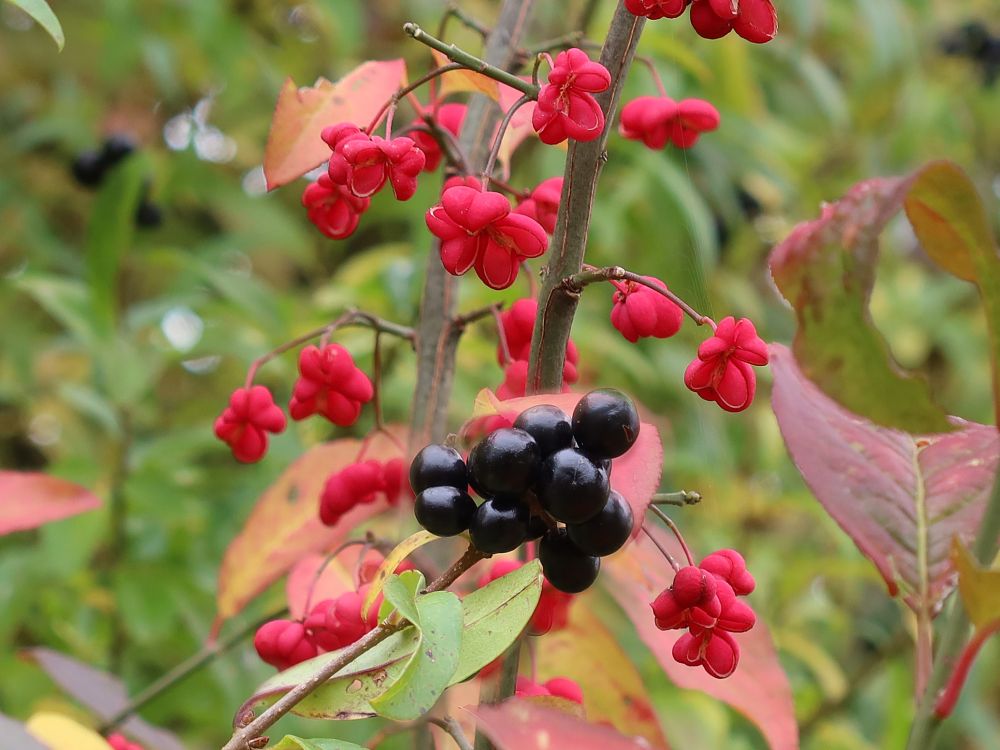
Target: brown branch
x=557 y=305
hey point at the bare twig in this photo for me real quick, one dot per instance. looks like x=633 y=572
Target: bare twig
x=679 y=498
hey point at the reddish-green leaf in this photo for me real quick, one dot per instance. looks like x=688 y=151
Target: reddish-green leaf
x=636 y=475
x=284 y=525
x=294 y=145
x=103 y=694
x=952 y=225
x=523 y=725
x=29 y=500
x=900 y=497
x=587 y=652
x=758 y=689
x=826 y=270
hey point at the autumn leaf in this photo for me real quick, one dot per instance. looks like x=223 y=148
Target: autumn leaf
x=29 y=500
x=463 y=80
x=636 y=475
x=588 y=653
x=60 y=732
x=758 y=689
x=519 y=724
x=284 y=525
x=900 y=497
x=294 y=145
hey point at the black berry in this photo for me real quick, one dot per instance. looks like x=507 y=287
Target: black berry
x=537 y=527
x=567 y=567
x=148 y=215
x=116 y=147
x=438 y=466
x=605 y=423
x=504 y=463
x=499 y=526
x=607 y=531
x=571 y=487
x=444 y=511
x=548 y=425
x=88 y=169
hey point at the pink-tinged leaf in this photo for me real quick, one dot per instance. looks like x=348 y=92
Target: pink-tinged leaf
x=900 y=497
x=101 y=693
x=14 y=736
x=520 y=128
x=284 y=525
x=826 y=270
x=518 y=724
x=636 y=475
x=758 y=689
x=588 y=653
x=294 y=145
x=29 y=500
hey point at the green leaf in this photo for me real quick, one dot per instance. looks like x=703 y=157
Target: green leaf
x=433 y=662
x=291 y=742
x=109 y=235
x=66 y=300
x=951 y=223
x=42 y=14
x=400 y=592
x=494 y=616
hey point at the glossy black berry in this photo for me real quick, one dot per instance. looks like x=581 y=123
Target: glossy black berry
x=607 y=531
x=504 y=463
x=572 y=487
x=444 y=511
x=88 y=169
x=605 y=423
x=567 y=567
x=536 y=527
x=148 y=215
x=438 y=466
x=548 y=425
x=499 y=526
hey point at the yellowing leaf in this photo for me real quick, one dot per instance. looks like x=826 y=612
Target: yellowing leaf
x=978 y=587
x=63 y=733
x=391 y=562
x=458 y=81
x=294 y=145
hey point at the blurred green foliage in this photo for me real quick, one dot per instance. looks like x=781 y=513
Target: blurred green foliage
x=120 y=344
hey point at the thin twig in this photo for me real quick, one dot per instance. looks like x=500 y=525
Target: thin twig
x=651 y=66
x=469 y=61
x=465 y=19
x=393 y=100
x=656 y=543
x=574 y=285
x=377 y=381
x=677 y=532
x=453 y=728
x=184 y=669
x=679 y=498
x=498 y=139
x=243 y=736
x=466 y=319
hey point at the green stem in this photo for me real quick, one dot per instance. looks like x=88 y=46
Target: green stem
x=470 y=61
x=557 y=304
x=955 y=631
x=679 y=498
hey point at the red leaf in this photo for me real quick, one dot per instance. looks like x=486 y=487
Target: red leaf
x=294 y=145
x=29 y=500
x=758 y=689
x=519 y=724
x=284 y=525
x=636 y=475
x=101 y=693
x=900 y=497
x=338 y=576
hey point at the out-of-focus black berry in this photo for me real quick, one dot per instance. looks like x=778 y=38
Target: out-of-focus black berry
x=567 y=567
x=438 y=466
x=88 y=169
x=607 y=531
x=148 y=215
x=116 y=147
x=504 y=463
x=548 y=425
x=605 y=423
x=571 y=487
x=499 y=526
x=444 y=511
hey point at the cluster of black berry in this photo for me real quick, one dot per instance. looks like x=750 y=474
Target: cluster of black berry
x=546 y=477
x=91 y=167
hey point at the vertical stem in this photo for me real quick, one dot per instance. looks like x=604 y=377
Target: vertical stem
x=503 y=687
x=436 y=346
x=557 y=305
x=954 y=631
x=117 y=538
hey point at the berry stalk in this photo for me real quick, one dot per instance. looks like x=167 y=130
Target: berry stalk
x=584 y=160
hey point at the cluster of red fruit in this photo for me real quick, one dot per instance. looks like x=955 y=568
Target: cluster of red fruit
x=703 y=600
x=557 y=687
x=329 y=384
x=121 y=742
x=657 y=120
x=361 y=483
x=754 y=20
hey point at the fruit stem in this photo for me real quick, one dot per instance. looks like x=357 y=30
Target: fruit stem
x=669 y=558
x=676 y=531
x=498 y=138
x=679 y=498
x=393 y=100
